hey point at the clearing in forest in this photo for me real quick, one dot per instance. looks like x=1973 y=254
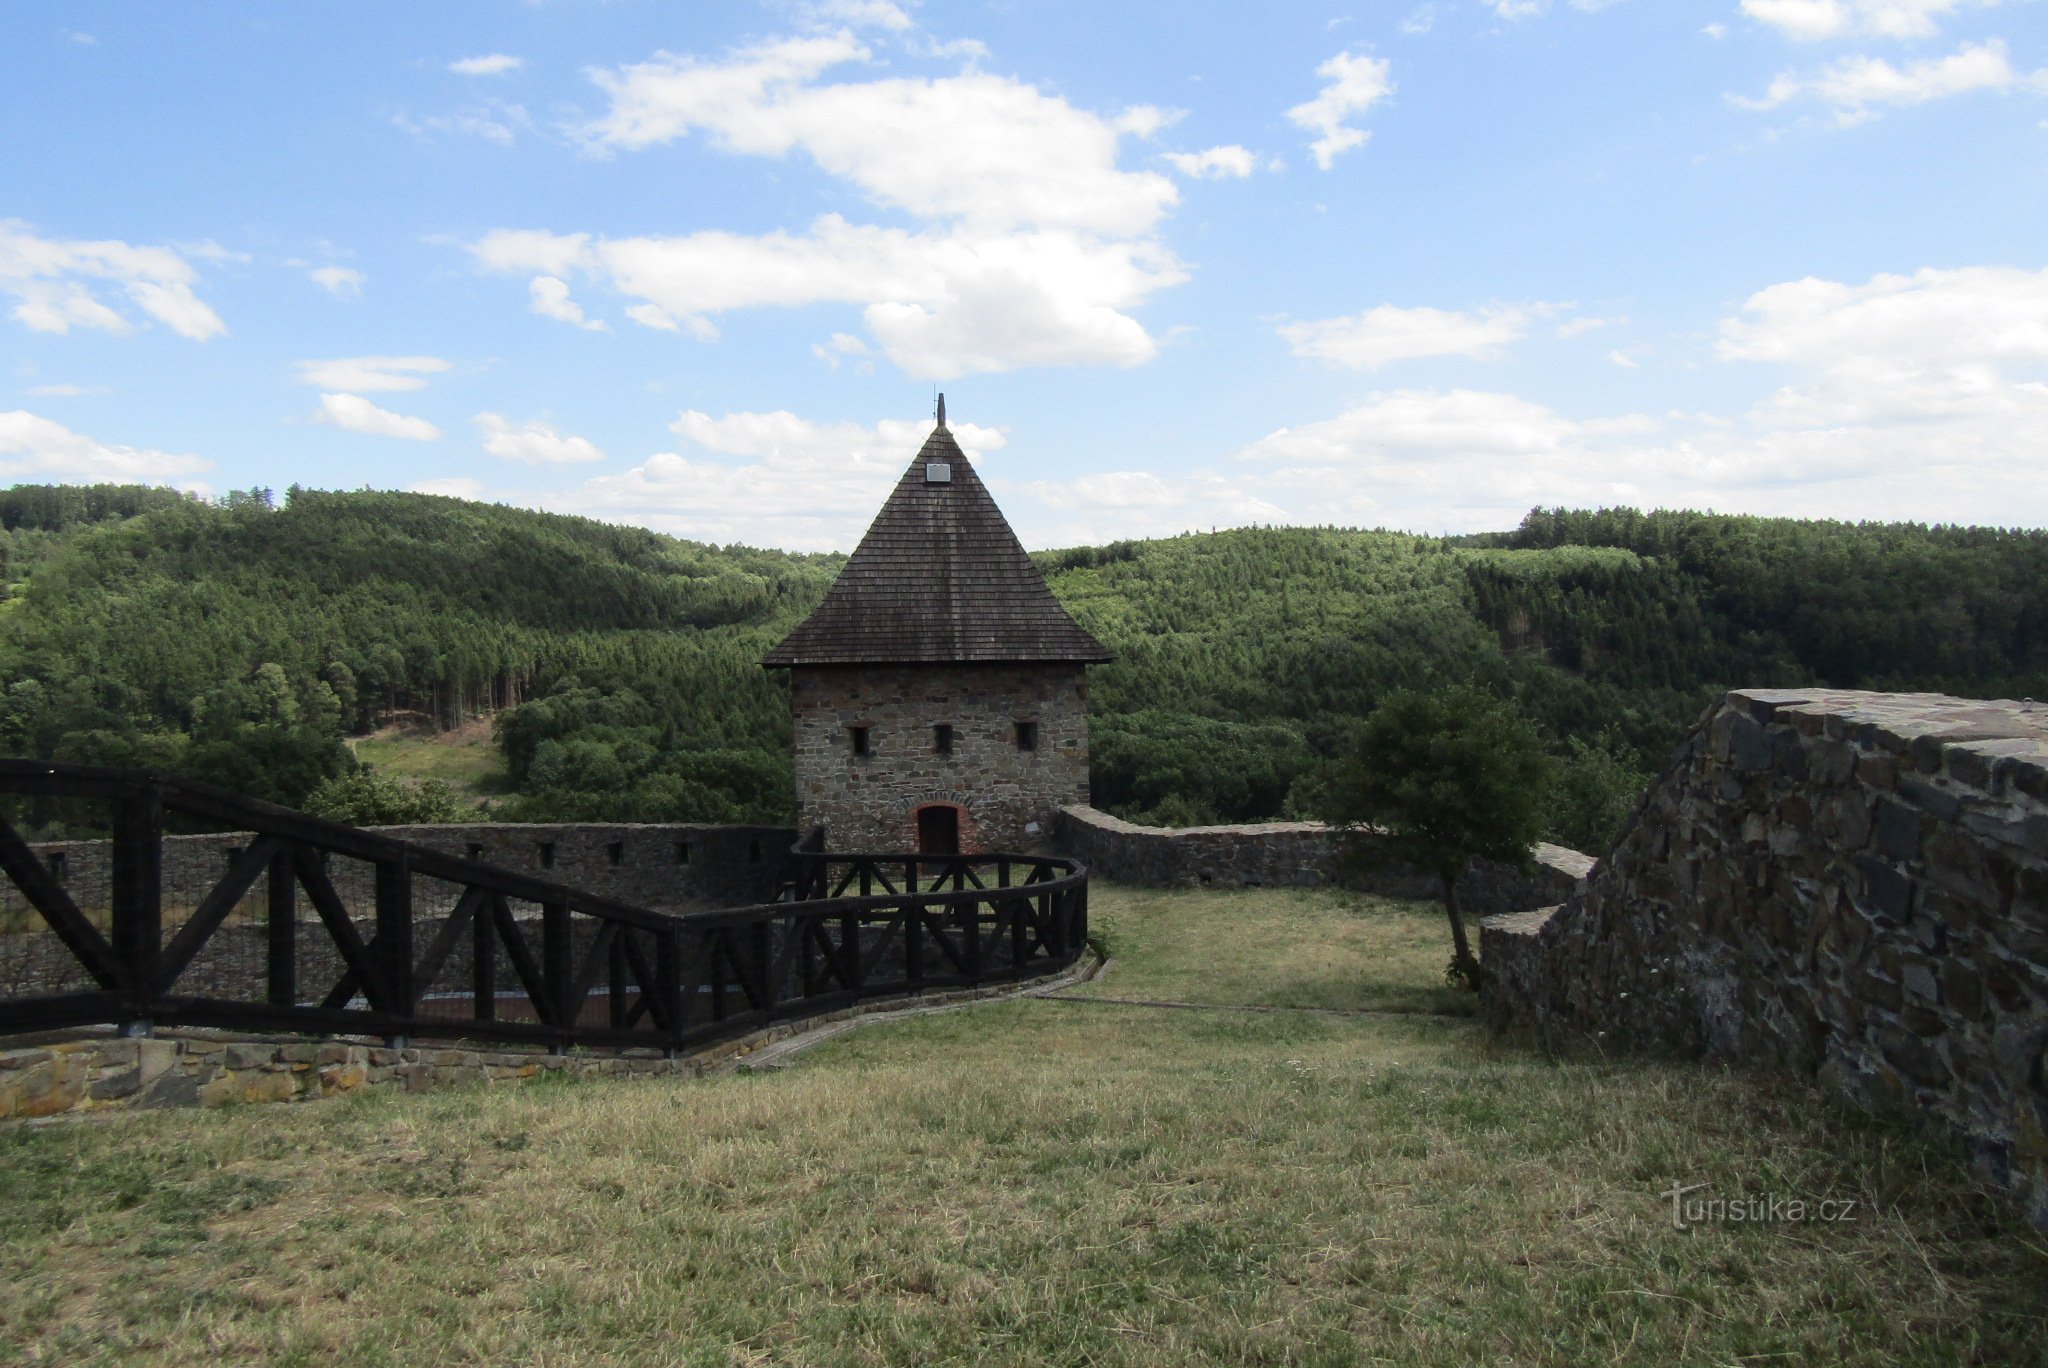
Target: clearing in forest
x=1040 y=1181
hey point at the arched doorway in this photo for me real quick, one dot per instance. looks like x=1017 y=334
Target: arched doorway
x=938 y=829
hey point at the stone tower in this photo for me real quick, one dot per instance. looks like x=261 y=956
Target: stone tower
x=939 y=692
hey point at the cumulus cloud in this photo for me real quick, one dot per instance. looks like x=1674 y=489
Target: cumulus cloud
x=1898 y=349
x=1921 y=396
x=353 y=413
x=981 y=149
x=33 y=447
x=719 y=484
x=372 y=374
x=941 y=302
x=1386 y=334
x=1216 y=163
x=1855 y=88
x=1812 y=20
x=859 y=14
x=1032 y=247
x=339 y=281
x=496 y=64
x=550 y=298
x=53 y=280
x=1354 y=84
x=841 y=346
x=534 y=443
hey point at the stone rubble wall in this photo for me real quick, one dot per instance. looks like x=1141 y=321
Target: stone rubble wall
x=1850 y=885
x=93 y=1069
x=1303 y=854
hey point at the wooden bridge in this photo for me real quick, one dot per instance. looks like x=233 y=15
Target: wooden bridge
x=317 y=927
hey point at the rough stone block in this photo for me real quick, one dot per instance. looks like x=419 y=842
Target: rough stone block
x=249 y=1086
x=1930 y=798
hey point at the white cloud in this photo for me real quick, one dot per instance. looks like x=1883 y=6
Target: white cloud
x=550 y=297
x=1856 y=86
x=1585 y=323
x=985 y=150
x=1623 y=359
x=721 y=485
x=66 y=391
x=496 y=64
x=534 y=443
x=353 y=413
x=1033 y=246
x=859 y=14
x=1812 y=20
x=840 y=346
x=372 y=374
x=33 y=447
x=493 y=120
x=454 y=487
x=1215 y=163
x=49 y=280
x=339 y=281
x=1902 y=349
x=1920 y=396
x=1386 y=334
x=942 y=302
x=1355 y=84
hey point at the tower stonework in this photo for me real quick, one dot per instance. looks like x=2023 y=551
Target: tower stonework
x=939 y=692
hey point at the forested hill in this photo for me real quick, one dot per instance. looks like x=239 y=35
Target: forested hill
x=238 y=641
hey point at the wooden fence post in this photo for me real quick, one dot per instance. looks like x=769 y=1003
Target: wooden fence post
x=557 y=960
x=138 y=900
x=282 y=926
x=392 y=950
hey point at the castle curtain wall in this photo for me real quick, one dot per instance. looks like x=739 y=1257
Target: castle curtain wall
x=1007 y=796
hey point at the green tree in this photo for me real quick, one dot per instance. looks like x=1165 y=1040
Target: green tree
x=1441 y=779
x=367 y=798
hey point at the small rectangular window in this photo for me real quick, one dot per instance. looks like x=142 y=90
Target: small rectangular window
x=859 y=736
x=1027 y=736
x=753 y=852
x=616 y=853
x=476 y=850
x=942 y=739
x=682 y=852
x=547 y=854
x=56 y=864
x=230 y=855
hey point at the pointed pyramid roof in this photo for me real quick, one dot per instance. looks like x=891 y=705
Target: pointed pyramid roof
x=939 y=578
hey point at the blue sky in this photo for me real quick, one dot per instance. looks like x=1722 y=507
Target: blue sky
x=701 y=267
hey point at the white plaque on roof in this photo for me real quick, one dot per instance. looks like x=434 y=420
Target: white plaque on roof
x=938 y=472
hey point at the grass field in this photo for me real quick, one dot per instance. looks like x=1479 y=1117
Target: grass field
x=1038 y=1182
x=464 y=758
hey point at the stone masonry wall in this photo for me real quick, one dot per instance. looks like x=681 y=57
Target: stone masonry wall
x=1851 y=885
x=93 y=1069
x=1271 y=854
x=1006 y=796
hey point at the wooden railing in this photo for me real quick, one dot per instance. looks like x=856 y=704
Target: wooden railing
x=309 y=926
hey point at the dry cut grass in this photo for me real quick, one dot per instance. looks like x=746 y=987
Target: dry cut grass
x=1036 y=1182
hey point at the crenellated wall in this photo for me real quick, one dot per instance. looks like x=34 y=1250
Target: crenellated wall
x=1852 y=885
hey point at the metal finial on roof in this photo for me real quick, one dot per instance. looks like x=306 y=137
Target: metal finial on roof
x=942 y=410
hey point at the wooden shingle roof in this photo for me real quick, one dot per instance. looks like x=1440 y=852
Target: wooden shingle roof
x=939 y=578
